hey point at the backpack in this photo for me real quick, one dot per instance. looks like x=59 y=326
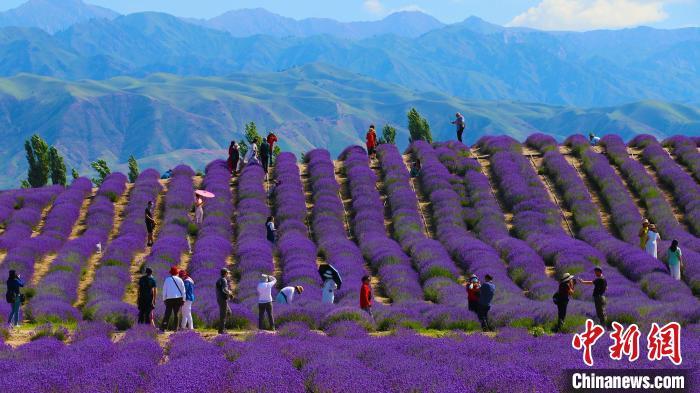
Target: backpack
x=555 y=297
x=10 y=297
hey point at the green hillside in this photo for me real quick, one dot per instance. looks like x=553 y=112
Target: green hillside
x=164 y=119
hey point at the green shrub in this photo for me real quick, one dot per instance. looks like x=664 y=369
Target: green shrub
x=48 y=330
x=192 y=229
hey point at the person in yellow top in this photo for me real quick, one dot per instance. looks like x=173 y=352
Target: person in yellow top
x=644 y=234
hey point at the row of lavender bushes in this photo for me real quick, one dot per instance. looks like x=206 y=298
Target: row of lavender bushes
x=104 y=299
x=57 y=291
x=299 y=360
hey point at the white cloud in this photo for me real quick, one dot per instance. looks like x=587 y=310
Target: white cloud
x=591 y=14
x=373 y=6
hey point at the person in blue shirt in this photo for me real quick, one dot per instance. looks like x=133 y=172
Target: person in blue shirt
x=486 y=293
x=187 y=322
x=14 y=297
x=593 y=139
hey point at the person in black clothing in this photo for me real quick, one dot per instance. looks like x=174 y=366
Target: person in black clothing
x=147 y=297
x=223 y=295
x=14 y=297
x=150 y=222
x=265 y=155
x=233 y=156
x=600 y=285
x=566 y=289
x=270 y=229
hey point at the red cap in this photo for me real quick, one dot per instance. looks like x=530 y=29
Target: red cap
x=174 y=271
x=183 y=274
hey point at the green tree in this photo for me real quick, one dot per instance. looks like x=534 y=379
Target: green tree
x=38 y=160
x=418 y=127
x=57 y=166
x=388 y=134
x=75 y=173
x=133 y=169
x=251 y=133
x=242 y=149
x=102 y=169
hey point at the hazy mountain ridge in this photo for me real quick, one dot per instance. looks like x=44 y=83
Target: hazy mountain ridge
x=165 y=119
x=53 y=15
x=473 y=59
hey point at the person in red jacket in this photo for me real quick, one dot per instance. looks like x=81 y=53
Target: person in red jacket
x=271 y=140
x=366 y=296
x=473 y=287
x=371 y=141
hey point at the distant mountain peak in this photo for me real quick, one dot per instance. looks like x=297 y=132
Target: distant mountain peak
x=53 y=15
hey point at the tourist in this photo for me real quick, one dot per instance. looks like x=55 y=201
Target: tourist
x=146 y=299
x=187 y=321
x=652 y=241
x=150 y=222
x=415 y=168
x=675 y=260
x=460 y=124
x=265 y=301
x=198 y=210
x=644 y=234
x=265 y=154
x=371 y=141
x=271 y=230
x=366 y=296
x=600 y=285
x=271 y=140
x=252 y=154
x=233 y=156
x=331 y=282
x=286 y=295
x=167 y=175
x=473 y=293
x=593 y=140
x=223 y=295
x=273 y=188
x=486 y=292
x=14 y=297
x=561 y=298
x=173 y=296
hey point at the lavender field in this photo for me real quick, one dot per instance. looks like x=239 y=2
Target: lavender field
x=523 y=212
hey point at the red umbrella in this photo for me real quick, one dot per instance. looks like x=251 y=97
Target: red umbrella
x=204 y=194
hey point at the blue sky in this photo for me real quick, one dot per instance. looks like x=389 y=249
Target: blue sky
x=543 y=14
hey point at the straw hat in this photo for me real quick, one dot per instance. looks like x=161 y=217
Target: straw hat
x=566 y=278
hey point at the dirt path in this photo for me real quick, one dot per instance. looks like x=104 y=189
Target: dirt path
x=138 y=260
x=41 y=267
x=485 y=166
x=666 y=192
x=80 y=225
x=87 y=274
x=344 y=195
x=424 y=205
x=36 y=231
x=593 y=191
x=388 y=218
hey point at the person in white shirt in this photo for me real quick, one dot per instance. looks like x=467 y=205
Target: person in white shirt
x=652 y=241
x=286 y=295
x=265 y=300
x=173 y=296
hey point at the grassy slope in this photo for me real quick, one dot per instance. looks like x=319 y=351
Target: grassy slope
x=165 y=119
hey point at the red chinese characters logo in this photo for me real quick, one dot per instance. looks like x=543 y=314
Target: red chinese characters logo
x=625 y=342
x=587 y=339
x=662 y=342
x=665 y=342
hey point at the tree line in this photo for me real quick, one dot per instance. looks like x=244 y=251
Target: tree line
x=46 y=163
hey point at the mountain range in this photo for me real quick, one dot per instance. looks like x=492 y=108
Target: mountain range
x=165 y=119
x=53 y=15
x=471 y=60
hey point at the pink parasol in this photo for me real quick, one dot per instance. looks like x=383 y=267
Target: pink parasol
x=204 y=194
